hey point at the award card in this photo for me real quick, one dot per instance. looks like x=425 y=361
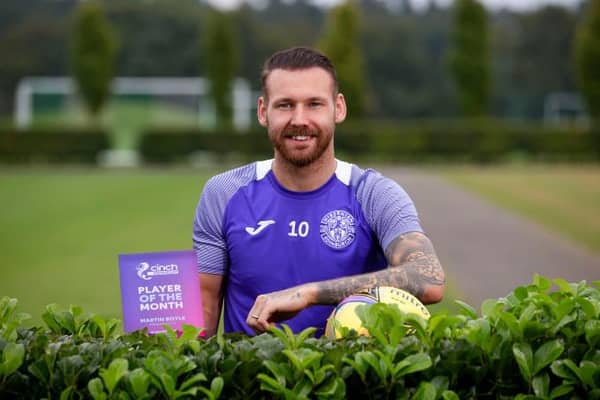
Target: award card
x=160 y=289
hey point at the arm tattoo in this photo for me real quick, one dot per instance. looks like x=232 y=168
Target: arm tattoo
x=413 y=266
x=414 y=253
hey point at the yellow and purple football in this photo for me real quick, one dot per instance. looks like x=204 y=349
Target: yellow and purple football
x=344 y=315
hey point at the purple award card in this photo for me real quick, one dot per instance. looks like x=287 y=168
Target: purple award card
x=160 y=289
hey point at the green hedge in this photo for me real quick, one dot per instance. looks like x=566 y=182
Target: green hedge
x=479 y=141
x=164 y=145
x=65 y=145
x=541 y=341
x=452 y=140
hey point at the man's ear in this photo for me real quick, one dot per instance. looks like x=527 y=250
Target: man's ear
x=340 y=108
x=261 y=111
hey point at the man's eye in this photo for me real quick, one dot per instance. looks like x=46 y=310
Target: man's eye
x=284 y=106
x=316 y=104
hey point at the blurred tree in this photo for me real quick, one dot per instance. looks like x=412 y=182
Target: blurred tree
x=220 y=58
x=17 y=12
x=530 y=49
x=404 y=54
x=160 y=38
x=34 y=47
x=93 y=50
x=469 y=57
x=280 y=25
x=587 y=59
x=341 y=43
x=405 y=59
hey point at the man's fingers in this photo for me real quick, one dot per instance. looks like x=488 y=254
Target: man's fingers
x=257 y=320
x=258 y=325
x=259 y=305
x=274 y=307
x=253 y=321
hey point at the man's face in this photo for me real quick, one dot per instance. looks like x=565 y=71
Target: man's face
x=300 y=113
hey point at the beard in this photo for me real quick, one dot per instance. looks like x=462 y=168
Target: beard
x=301 y=157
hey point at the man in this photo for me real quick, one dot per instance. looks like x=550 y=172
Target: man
x=284 y=240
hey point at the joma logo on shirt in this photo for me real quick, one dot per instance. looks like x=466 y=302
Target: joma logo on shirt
x=261 y=226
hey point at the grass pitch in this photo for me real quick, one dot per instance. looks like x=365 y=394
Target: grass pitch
x=62 y=231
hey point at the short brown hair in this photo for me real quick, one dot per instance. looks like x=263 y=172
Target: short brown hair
x=297 y=58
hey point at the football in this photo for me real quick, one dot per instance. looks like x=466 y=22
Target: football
x=344 y=314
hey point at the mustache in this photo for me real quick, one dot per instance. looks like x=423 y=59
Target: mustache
x=290 y=131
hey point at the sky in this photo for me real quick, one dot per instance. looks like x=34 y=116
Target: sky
x=492 y=4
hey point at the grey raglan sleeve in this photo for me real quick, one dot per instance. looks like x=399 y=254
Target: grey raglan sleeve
x=387 y=207
x=210 y=243
x=208 y=240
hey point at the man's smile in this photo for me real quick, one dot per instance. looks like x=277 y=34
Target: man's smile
x=301 y=138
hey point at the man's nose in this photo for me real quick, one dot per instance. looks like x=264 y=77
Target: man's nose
x=299 y=116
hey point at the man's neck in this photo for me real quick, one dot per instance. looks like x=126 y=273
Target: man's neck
x=304 y=179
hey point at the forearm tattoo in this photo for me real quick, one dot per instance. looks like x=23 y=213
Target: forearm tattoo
x=413 y=266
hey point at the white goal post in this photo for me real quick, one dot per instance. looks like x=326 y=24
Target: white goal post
x=242 y=97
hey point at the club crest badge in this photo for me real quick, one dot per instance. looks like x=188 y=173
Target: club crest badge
x=338 y=229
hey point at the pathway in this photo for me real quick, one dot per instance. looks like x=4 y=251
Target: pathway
x=487 y=251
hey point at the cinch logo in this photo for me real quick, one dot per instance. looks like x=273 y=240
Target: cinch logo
x=147 y=271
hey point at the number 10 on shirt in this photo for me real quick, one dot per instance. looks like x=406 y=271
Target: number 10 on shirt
x=298 y=229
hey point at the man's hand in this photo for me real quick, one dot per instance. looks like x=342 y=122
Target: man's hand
x=279 y=306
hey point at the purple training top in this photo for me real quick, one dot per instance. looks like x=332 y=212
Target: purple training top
x=263 y=237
